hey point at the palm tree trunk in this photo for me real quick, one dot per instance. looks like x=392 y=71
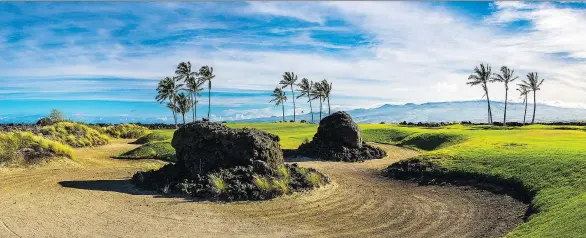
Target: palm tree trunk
x=293 y=93
x=329 y=112
x=310 y=107
x=534 y=106
x=489 y=111
x=525 y=115
x=505 y=118
x=183 y=115
x=283 y=104
x=193 y=107
x=320 y=109
x=209 y=98
x=174 y=116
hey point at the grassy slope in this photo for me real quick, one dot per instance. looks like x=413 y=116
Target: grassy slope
x=551 y=160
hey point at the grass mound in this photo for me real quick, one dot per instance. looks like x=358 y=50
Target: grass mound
x=542 y=164
x=431 y=141
x=234 y=184
x=125 y=131
x=17 y=147
x=385 y=136
x=160 y=135
x=74 y=134
x=161 y=150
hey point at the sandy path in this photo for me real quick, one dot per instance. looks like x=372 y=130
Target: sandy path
x=94 y=199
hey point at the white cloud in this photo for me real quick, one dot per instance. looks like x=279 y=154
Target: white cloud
x=418 y=53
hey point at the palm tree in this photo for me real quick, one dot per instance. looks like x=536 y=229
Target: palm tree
x=523 y=90
x=305 y=89
x=206 y=74
x=289 y=79
x=506 y=77
x=192 y=82
x=327 y=89
x=279 y=98
x=167 y=89
x=183 y=104
x=481 y=76
x=317 y=92
x=533 y=83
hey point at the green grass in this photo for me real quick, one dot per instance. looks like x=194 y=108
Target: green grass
x=74 y=134
x=156 y=135
x=161 y=150
x=550 y=160
x=11 y=143
x=291 y=134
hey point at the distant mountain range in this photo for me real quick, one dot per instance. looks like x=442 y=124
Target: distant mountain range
x=474 y=111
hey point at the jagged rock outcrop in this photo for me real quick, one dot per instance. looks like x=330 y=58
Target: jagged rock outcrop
x=338 y=138
x=203 y=147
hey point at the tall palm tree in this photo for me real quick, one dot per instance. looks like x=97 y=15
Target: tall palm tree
x=534 y=84
x=206 y=74
x=289 y=79
x=167 y=89
x=183 y=104
x=192 y=83
x=318 y=93
x=279 y=98
x=327 y=89
x=506 y=76
x=482 y=76
x=305 y=90
x=523 y=91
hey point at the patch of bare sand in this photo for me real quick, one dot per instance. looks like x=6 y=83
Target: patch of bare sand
x=95 y=199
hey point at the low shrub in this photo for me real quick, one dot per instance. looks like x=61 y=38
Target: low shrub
x=161 y=150
x=27 y=147
x=74 y=134
x=126 y=131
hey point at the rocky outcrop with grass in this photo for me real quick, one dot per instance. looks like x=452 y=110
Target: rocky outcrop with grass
x=217 y=162
x=23 y=148
x=338 y=138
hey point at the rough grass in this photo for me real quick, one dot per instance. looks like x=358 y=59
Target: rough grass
x=13 y=144
x=161 y=150
x=157 y=135
x=126 y=131
x=548 y=162
x=74 y=134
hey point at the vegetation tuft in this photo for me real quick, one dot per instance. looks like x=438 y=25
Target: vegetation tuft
x=27 y=148
x=74 y=134
x=125 y=131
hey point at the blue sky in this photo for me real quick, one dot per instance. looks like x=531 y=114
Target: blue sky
x=73 y=55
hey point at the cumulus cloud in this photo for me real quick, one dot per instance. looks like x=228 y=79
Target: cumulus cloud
x=409 y=52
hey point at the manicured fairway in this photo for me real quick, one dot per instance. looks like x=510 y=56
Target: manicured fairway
x=550 y=160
